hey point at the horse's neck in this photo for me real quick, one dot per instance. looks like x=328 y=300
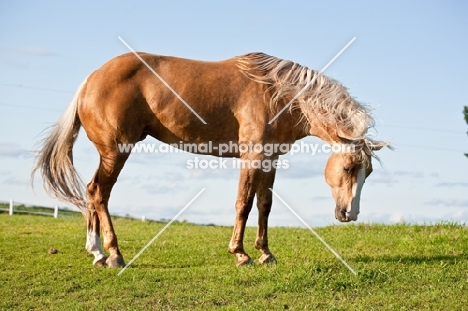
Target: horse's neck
x=330 y=130
x=323 y=131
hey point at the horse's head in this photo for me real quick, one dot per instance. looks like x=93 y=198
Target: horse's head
x=345 y=173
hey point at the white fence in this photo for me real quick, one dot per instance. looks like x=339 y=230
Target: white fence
x=17 y=208
x=11 y=210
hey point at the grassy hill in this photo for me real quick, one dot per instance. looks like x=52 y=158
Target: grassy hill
x=399 y=267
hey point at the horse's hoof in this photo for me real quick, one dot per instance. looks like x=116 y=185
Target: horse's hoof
x=244 y=261
x=115 y=262
x=100 y=262
x=267 y=258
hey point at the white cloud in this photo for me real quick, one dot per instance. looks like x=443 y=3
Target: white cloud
x=452 y=184
x=460 y=215
x=447 y=203
x=15 y=181
x=31 y=51
x=381 y=177
x=13 y=150
x=397 y=218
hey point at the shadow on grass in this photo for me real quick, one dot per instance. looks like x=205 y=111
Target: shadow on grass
x=166 y=265
x=410 y=259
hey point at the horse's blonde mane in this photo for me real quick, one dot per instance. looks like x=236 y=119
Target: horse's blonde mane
x=325 y=100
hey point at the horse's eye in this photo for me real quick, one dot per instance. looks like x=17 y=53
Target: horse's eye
x=348 y=170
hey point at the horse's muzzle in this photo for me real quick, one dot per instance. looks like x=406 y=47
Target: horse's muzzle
x=344 y=216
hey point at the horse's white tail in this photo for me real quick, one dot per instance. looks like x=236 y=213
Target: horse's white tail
x=55 y=157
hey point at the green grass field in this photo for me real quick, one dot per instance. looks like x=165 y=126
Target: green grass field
x=399 y=267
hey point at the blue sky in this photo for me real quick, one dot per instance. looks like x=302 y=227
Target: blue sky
x=408 y=62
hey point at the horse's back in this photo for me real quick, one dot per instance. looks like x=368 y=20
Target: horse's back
x=124 y=96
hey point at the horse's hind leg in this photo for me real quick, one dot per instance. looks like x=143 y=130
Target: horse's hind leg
x=93 y=242
x=98 y=193
x=264 y=202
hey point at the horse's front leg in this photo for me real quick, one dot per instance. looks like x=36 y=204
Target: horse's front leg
x=248 y=181
x=264 y=202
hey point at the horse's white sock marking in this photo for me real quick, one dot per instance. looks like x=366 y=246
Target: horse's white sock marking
x=93 y=245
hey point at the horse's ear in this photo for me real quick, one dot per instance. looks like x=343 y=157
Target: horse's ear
x=377 y=145
x=355 y=127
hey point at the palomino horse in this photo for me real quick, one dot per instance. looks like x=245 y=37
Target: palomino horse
x=123 y=102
